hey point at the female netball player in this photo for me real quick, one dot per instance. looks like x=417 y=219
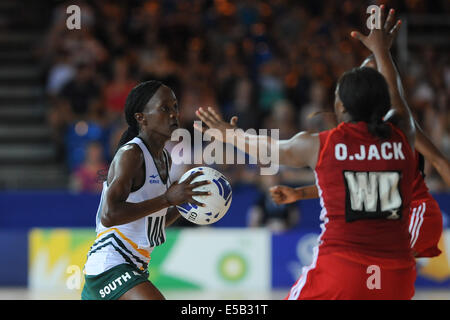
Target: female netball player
x=425 y=226
x=133 y=209
x=364 y=172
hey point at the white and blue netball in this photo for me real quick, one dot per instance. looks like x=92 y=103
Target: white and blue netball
x=216 y=204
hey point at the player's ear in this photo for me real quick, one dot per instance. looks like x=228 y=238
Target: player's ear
x=139 y=116
x=340 y=106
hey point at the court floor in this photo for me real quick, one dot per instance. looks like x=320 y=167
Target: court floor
x=26 y=294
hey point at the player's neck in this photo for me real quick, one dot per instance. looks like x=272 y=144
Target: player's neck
x=154 y=142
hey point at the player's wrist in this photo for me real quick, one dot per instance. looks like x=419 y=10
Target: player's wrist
x=167 y=201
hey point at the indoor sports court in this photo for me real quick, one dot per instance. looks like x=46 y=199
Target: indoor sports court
x=66 y=72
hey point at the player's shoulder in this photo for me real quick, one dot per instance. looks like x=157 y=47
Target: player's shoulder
x=306 y=136
x=325 y=135
x=130 y=153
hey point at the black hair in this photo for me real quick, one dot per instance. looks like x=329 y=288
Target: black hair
x=365 y=95
x=135 y=103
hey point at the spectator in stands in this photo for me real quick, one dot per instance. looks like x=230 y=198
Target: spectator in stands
x=282 y=118
x=60 y=74
x=116 y=91
x=88 y=176
x=239 y=56
x=313 y=116
x=80 y=94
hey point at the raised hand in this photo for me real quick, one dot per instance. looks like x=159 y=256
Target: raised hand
x=391 y=27
x=183 y=192
x=214 y=121
x=380 y=39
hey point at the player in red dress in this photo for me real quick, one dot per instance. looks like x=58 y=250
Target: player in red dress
x=364 y=172
x=425 y=225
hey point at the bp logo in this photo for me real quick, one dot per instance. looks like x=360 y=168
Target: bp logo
x=232 y=267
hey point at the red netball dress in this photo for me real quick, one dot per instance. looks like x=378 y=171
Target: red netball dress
x=365 y=189
x=425 y=224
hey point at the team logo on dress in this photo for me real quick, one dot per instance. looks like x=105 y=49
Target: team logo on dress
x=153 y=179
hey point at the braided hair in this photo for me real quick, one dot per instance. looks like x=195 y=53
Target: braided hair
x=136 y=101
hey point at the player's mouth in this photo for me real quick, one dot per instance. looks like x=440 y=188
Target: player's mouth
x=174 y=125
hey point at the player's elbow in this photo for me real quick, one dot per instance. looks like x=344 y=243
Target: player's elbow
x=106 y=221
x=442 y=165
x=108 y=218
x=112 y=211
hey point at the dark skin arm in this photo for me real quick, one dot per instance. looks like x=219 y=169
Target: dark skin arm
x=172 y=214
x=124 y=172
x=433 y=154
x=284 y=194
x=299 y=151
x=423 y=144
x=379 y=41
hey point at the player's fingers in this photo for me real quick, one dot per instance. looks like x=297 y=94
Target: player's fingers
x=274 y=193
x=382 y=15
x=214 y=114
x=395 y=29
x=278 y=200
x=390 y=20
x=202 y=117
x=205 y=116
x=358 y=35
x=199 y=127
x=196 y=202
x=201 y=193
x=199 y=184
x=277 y=196
x=274 y=188
x=193 y=176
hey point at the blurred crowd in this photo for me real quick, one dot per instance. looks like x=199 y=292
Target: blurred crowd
x=273 y=63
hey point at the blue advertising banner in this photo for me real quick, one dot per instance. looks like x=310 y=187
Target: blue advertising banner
x=14 y=258
x=291 y=251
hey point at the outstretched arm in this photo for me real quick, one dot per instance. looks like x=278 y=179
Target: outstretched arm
x=433 y=154
x=423 y=144
x=378 y=41
x=299 y=151
x=285 y=194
